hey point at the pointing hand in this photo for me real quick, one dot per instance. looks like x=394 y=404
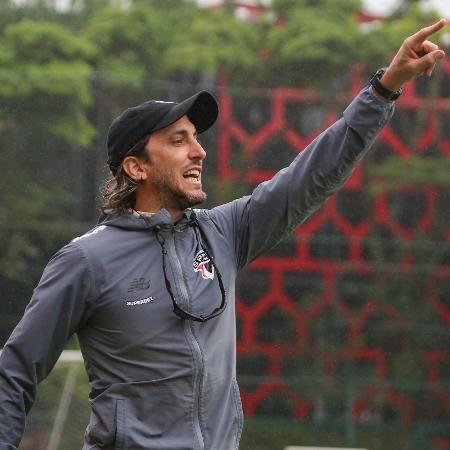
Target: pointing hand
x=416 y=56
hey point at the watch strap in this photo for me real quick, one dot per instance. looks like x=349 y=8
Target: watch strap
x=383 y=91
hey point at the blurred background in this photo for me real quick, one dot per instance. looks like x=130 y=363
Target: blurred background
x=344 y=328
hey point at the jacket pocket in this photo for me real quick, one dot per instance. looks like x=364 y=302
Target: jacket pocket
x=142 y=416
x=101 y=431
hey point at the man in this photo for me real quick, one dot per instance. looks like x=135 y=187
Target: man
x=150 y=291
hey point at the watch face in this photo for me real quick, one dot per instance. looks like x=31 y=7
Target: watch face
x=380 y=73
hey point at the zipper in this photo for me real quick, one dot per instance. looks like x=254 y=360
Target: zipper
x=189 y=332
x=198 y=380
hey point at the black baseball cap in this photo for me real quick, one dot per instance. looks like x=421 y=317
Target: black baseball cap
x=139 y=121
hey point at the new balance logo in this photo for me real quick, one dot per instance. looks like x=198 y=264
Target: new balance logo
x=139 y=284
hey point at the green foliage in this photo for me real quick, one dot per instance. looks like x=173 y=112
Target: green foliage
x=44 y=65
x=43 y=42
x=415 y=170
x=380 y=41
x=131 y=41
x=45 y=95
x=286 y=7
x=216 y=40
x=45 y=92
x=308 y=54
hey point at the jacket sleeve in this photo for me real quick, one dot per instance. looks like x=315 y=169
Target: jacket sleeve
x=58 y=306
x=258 y=222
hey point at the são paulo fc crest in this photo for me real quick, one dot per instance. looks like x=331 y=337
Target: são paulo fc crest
x=203 y=264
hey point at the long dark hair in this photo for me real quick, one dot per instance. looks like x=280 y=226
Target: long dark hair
x=119 y=191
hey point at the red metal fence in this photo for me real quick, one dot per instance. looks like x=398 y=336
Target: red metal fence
x=345 y=267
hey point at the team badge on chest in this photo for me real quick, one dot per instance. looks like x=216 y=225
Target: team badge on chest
x=203 y=264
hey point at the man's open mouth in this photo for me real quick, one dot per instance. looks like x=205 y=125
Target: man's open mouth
x=192 y=175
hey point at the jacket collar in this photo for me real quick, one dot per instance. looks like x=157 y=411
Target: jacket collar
x=161 y=219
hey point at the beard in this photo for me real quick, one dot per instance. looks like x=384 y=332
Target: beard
x=172 y=194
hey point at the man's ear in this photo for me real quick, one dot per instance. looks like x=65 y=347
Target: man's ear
x=134 y=168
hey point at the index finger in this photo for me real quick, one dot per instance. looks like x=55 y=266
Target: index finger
x=425 y=32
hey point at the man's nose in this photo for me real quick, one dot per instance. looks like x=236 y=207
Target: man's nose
x=197 y=151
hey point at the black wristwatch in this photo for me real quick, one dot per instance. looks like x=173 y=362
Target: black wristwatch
x=386 y=93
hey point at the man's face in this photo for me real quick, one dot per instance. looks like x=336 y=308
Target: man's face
x=174 y=168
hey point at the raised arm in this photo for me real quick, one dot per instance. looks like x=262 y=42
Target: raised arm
x=258 y=222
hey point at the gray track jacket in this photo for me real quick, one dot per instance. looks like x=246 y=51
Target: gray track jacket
x=157 y=381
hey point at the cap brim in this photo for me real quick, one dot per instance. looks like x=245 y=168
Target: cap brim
x=201 y=109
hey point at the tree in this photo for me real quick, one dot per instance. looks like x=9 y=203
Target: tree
x=45 y=96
